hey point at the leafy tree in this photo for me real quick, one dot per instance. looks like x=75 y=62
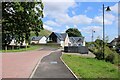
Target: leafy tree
x=73 y=32
x=99 y=42
x=106 y=39
x=19 y=19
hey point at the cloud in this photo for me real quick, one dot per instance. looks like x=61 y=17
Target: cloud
x=58 y=0
x=75 y=26
x=114 y=8
x=51 y=23
x=81 y=19
x=47 y=27
x=89 y=29
x=80 y=0
x=67 y=27
x=88 y=9
x=59 y=12
x=73 y=12
x=78 y=19
x=109 y=19
x=54 y=9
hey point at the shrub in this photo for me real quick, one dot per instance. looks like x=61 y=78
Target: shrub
x=99 y=55
x=110 y=58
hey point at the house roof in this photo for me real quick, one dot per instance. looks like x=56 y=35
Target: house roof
x=76 y=39
x=116 y=40
x=35 y=38
x=61 y=36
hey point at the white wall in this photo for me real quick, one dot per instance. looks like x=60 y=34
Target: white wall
x=12 y=42
x=43 y=40
x=35 y=42
x=84 y=43
x=62 y=43
x=24 y=44
x=67 y=41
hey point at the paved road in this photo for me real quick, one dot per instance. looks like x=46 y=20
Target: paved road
x=52 y=67
x=21 y=64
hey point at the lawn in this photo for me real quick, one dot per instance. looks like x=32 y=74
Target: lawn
x=32 y=47
x=90 y=67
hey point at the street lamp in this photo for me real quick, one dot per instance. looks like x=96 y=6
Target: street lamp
x=92 y=35
x=107 y=9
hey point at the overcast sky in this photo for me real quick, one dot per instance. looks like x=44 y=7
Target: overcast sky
x=86 y=16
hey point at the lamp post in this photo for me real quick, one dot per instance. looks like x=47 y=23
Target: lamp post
x=92 y=35
x=107 y=9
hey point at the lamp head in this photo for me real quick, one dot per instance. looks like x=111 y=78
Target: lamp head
x=108 y=9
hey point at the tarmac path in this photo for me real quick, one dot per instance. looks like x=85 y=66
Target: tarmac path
x=51 y=66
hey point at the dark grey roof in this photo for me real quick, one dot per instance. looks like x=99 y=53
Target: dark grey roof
x=115 y=40
x=76 y=39
x=61 y=36
x=35 y=38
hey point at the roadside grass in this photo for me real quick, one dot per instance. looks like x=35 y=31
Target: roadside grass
x=90 y=67
x=51 y=45
x=32 y=47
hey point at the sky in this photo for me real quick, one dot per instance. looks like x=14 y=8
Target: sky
x=86 y=16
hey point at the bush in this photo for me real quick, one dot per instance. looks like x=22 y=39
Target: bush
x=110 y=58
x=99 y=55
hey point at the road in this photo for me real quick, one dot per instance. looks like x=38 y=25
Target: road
x=21 y=64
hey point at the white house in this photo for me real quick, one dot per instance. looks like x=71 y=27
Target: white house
x=38 y=40
x=58 y=38
x=14 y=43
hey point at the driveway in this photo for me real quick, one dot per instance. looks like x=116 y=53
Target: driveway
x=21 y=64
x=51 y=66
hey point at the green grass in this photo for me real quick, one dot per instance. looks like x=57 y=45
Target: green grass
x=43 y=32
x=32 y=47
x=90 y=67
x=50 y=45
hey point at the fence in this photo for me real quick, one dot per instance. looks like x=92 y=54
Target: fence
x=76 y=49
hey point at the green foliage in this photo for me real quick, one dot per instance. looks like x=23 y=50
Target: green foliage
x=90 y=67
x=73 y=32
x=43 y=32
x=110 y=58
x=99 y=55
x=99 y=42
x=97 y=50
x=19 y=19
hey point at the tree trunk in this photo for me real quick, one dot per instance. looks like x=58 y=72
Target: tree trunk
x=12 y=47
x=26 y=45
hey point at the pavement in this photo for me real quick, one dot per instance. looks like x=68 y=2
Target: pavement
x=21 y=64
x=51 y=66
x=90 y=54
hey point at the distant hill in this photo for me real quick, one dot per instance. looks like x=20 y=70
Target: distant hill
x=44 y=32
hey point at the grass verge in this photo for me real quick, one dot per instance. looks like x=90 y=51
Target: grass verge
x=90 y=67
x=32 y=47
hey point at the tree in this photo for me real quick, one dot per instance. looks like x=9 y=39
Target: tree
x=73 y=32
x=106 y=39
x=19 y=19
